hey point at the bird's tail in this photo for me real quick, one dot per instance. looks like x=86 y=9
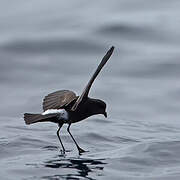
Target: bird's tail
x=34 y=118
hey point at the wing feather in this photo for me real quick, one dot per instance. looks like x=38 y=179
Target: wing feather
x=85 y=93
x=58 y=99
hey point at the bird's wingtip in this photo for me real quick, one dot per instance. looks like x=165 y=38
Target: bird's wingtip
x=111 y=49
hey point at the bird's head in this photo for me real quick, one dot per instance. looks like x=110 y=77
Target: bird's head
x=98 y=107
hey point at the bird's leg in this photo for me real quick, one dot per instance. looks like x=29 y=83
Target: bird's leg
x=79 y=149
x=60 y=125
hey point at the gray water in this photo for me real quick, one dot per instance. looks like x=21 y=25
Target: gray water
x=51 y=45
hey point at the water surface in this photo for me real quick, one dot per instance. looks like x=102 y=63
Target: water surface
x=47 y=46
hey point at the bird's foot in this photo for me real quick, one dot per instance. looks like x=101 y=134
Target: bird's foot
x=62 y=151
x=81 y=150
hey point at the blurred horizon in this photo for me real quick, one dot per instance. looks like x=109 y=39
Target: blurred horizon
x=47 y=46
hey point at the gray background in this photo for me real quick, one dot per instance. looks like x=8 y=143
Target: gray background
x=50 y=45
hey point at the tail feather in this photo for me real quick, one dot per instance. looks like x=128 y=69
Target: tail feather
x=34 y=118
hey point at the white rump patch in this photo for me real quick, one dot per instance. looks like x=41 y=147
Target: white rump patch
x=63 y=114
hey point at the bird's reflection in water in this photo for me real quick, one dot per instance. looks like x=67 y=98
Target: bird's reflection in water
x=78 y=167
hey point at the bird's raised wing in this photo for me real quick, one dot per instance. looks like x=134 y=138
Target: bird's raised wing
x=85 y=93
x=58 y=99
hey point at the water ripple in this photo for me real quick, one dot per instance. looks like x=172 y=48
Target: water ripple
x=51 y=45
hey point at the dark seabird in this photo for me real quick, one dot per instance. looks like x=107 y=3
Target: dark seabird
x=65 y=107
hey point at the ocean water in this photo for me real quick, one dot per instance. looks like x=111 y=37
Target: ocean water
x=47 y=46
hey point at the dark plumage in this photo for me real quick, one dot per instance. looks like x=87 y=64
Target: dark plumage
x=65 y=107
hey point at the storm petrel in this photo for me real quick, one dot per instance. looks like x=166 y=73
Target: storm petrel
x=65 y=107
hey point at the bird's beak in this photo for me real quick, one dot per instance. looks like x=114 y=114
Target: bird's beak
x=105 y=114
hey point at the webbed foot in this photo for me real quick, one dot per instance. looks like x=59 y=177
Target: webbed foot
x=81 y=150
